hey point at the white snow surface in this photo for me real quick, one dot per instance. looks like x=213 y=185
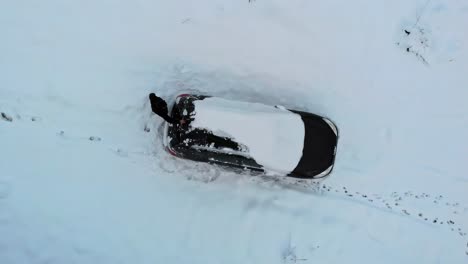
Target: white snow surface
x=274 y=137
x=84 y=177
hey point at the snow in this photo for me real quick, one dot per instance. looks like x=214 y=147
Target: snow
x=273 y=137
x=72 y=70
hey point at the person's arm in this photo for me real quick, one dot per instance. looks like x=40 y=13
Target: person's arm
x=159 y=107
x=223 y=142
x=202 y=137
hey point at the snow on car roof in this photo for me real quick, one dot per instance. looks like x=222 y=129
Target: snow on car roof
x=274 y=136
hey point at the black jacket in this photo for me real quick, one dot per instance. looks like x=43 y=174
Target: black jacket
x=159 y=107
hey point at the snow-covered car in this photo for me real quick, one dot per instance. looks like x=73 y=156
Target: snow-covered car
x=243 y=135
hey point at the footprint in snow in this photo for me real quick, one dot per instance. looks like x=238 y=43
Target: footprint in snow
x=6 y=117
x=63 y=135
x=290 y=257
x=121 y=152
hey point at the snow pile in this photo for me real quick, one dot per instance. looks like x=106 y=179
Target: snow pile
x=274 y=136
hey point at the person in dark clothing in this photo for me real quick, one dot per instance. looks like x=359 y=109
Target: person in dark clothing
x=159 y=107
x=203 y=137
x=183 y=133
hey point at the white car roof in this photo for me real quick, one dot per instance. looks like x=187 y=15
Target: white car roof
x=274 y=136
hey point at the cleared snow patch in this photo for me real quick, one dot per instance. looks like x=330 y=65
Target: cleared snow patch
x=274 y=137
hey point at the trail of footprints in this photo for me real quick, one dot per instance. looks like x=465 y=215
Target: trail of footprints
x=8 y=118
x=395 y=200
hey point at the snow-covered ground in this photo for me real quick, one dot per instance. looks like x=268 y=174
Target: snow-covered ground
x=82 y=180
